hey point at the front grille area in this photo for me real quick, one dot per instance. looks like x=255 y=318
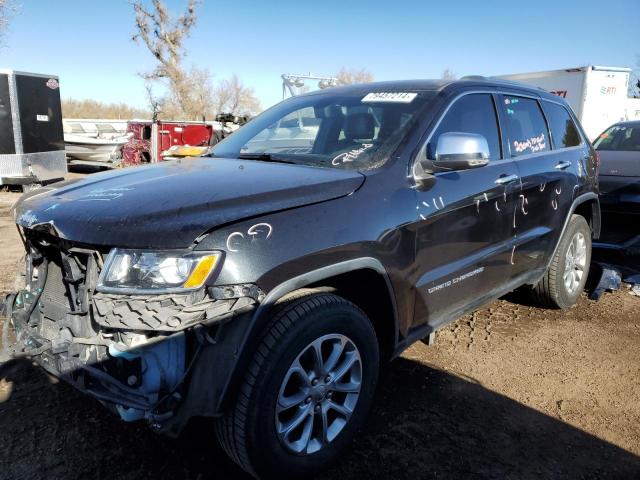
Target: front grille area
x=55 y=300
x=65 y=277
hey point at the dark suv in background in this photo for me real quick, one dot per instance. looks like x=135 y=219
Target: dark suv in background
x=264 y=286
x=619 y=174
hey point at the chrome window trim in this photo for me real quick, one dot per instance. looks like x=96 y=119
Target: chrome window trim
x=491 y=91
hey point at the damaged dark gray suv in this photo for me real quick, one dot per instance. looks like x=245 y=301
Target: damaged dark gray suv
x=264 y=286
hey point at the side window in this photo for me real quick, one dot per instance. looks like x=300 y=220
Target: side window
x=525 y=126
x=474 y=113
x=563 y=130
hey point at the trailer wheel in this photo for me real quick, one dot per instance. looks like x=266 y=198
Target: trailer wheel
x=307 y=390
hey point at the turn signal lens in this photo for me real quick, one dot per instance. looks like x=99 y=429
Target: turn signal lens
x=201 y=272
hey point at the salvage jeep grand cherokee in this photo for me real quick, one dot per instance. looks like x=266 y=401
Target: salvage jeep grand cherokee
x=264 y=286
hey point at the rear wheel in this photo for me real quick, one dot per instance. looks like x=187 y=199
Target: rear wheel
x=564 y=281
x=306 y=391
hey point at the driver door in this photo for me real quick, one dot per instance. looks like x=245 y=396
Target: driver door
x=464 y=224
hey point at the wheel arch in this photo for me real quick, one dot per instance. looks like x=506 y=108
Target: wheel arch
x=587 y=205
x=341 y=278
x=589 y=208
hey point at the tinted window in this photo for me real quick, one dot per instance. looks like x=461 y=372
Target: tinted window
x=563 y=130
x=525 y=126
x=619 y=137
x=472 y=114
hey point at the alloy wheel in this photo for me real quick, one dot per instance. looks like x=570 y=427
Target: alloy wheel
x=575 y=263
x=318 y=394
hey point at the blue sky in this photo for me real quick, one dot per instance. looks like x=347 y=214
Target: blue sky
x=88 y=42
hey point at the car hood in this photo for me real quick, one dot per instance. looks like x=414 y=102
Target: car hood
x=619 y=163
x=170 y=204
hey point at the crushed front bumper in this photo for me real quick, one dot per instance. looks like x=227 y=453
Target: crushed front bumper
x=141 y=356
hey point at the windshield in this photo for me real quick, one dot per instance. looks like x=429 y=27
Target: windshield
x=620 y=137
x=354 y=130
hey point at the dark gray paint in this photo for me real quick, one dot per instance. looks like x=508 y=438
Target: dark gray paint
x=320 y=217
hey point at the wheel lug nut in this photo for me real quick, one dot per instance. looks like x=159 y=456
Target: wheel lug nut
x=314 y=382
x=327 y=379
x=317 y=408
x=307 y=400
x=329 y=394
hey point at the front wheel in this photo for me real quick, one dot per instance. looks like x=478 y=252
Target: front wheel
x=565 y=279
x=306 y=391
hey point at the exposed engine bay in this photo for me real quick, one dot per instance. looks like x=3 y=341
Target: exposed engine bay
x=134 y=353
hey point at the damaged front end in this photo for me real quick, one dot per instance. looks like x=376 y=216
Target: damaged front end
x=138 y=353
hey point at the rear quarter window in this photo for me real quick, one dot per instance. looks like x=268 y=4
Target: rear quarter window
x=564 y=132
x=525 y=125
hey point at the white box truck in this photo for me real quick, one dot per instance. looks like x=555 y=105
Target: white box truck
x=598 y=95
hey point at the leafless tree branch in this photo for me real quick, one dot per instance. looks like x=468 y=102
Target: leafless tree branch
x=348 y=76
x=7 y=10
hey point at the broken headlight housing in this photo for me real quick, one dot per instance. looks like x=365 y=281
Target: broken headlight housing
x=141 y=271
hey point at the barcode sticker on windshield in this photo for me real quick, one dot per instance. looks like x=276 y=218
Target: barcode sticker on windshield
x=391 y=97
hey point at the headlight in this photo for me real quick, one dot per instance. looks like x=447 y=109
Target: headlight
x=137 y=271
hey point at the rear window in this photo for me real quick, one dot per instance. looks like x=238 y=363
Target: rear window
x=619 y=137
x=563 y=129
x=525 y=125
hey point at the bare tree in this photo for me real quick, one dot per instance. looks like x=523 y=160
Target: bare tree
x=7 y=9
x=164 y=36
x=232 y=96
x=72 y=108
x=448 y=74
x=154 y=102
x=634 y=81
x=350 y=76
x=190 y=91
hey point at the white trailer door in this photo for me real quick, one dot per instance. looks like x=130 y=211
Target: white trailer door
x=567 y=84
x=605 y=100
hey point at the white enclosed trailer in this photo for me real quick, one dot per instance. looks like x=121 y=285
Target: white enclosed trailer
x=598 y=95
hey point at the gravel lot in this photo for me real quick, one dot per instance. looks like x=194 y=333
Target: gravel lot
x=511 y=391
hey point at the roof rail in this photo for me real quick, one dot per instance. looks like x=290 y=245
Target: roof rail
x=474 y=77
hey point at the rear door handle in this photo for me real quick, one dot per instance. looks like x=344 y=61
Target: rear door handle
x=506 y=179
x=562 y=165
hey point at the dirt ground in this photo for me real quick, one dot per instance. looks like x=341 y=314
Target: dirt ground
x=512 y=391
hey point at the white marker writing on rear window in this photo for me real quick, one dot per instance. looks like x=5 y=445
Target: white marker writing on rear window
x=391 y=97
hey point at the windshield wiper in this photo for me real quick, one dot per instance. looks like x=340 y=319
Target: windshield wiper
x=265 y=157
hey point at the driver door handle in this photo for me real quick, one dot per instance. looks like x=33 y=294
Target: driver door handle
x=562 y=165
x=506 y=179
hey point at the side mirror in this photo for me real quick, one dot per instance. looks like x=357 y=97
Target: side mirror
x=461 y=151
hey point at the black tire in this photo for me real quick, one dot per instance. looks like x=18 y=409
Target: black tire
x=248 y=431
x=551 y=291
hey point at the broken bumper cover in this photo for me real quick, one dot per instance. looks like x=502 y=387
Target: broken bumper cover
x=160 y=380
x=173 y=312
